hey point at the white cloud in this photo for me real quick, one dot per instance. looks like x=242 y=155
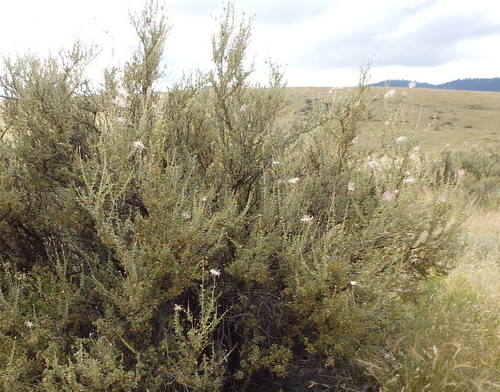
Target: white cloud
x=320 y=42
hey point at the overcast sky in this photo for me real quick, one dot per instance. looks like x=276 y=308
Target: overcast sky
x=319 y=42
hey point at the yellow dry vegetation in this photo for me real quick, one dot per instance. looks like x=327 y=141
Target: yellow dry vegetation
x=435 y=117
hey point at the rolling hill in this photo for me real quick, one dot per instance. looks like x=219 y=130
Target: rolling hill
x=471 y=84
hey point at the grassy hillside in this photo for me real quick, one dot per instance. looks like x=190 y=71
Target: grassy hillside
x=436 y=117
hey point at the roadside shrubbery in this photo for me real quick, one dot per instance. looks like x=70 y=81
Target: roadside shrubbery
x=191 y=241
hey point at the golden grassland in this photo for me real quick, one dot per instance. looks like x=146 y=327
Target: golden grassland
x=434 y=117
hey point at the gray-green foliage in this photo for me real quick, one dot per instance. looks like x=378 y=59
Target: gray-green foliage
x=120 y=207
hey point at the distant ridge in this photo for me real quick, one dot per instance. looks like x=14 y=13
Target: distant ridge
x=470 y=84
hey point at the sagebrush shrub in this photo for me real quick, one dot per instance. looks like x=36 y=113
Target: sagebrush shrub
x=190 y=240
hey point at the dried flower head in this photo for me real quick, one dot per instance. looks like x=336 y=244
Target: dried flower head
x=178 y=308
x=138 y=145
x=388 y=196
x=307 y=218
x=442 y=199
x=215 y=273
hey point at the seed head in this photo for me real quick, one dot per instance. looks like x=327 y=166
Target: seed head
x=388 y=196
x=215 y=273
x=138 y=145
x=442 y=199
x=306 y=218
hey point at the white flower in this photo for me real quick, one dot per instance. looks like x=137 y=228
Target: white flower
x=121 y=120
x=401 y=139
x=215 y=273
x=416 y=148
x=294 y=180
x=409 y=180
x=139 y=145
x=178 y=308
x=29 y=324
x=274 y=163
x=186 y=215
x=204 y=199
x=351 y=186
x=390 y=94
x=389 y=356
x=461 y=172
x=306 y=218
x=353 y=283
x=389 y=196
x=442 y=199
x=373 y=163
x=412 y=84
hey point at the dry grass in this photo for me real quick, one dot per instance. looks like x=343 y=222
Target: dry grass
x=451 y=340
x=436 y=117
